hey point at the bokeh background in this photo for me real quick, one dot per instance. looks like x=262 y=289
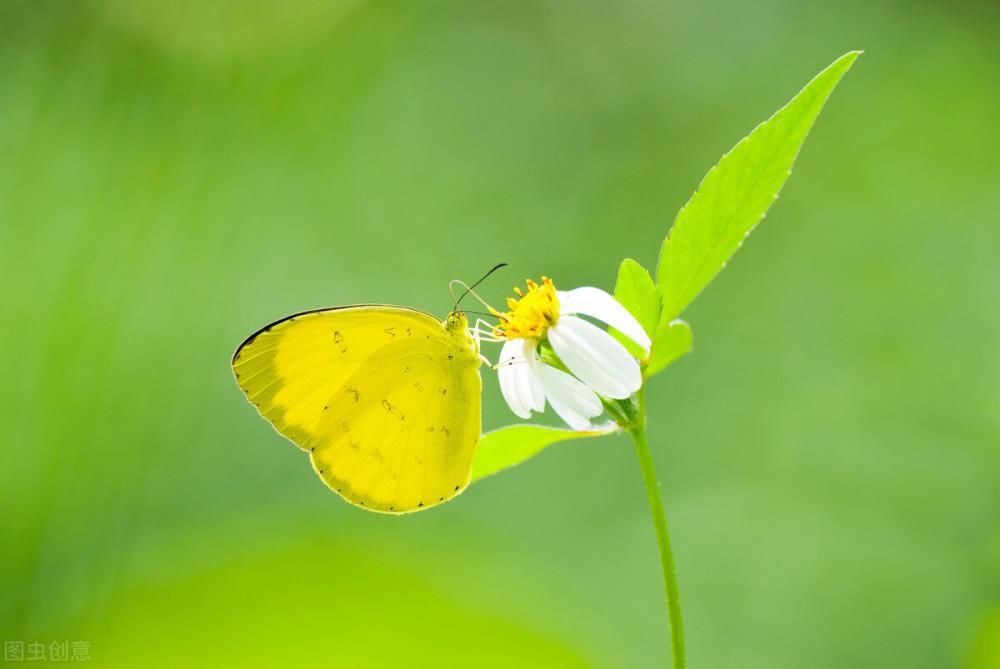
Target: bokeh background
x=174 y=175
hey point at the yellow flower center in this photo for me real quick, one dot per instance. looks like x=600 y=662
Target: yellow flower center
x=531 y=312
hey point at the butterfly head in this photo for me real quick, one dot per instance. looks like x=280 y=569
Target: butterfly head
x=456 y=322
x=466 y=346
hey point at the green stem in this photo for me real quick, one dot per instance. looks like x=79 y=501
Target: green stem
x=638 y=432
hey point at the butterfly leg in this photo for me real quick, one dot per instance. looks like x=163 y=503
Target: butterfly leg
x=483 y=331
x=486 y=333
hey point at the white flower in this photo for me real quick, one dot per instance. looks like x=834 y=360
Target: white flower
x=598 y=362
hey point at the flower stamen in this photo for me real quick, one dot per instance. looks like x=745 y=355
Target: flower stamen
x=531 y=313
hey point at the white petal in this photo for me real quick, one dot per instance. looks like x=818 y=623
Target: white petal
x=595 y=303
x=518 y=384
x=573 y=401
x=529 y=386
x=595 y=357
x=507 y=373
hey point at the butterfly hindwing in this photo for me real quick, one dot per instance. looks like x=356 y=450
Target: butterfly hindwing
x=386 y=400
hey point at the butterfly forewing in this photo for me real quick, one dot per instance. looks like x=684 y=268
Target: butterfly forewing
x=385 y=399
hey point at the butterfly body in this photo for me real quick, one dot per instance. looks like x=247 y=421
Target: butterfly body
x=386 y=400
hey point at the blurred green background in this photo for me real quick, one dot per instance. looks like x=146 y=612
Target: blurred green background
x=175 y=175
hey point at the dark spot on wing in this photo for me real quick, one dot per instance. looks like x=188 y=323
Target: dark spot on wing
x=392 y=410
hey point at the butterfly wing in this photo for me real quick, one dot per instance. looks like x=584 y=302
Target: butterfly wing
x=385 y=399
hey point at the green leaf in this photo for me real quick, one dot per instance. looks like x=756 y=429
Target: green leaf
x=636 y=292
x=736 y=193
x=514 y=444
x=673 y=340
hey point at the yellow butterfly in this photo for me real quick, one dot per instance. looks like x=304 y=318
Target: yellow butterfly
x=386 y=400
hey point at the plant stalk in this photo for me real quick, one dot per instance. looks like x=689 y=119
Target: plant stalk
x=638 y=432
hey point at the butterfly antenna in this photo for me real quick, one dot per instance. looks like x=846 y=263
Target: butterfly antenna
x=470 y=289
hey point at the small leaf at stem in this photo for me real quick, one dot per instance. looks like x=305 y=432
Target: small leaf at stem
x=636 y=292
x=514 y=444
x=673 y=340
x=736 y=193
